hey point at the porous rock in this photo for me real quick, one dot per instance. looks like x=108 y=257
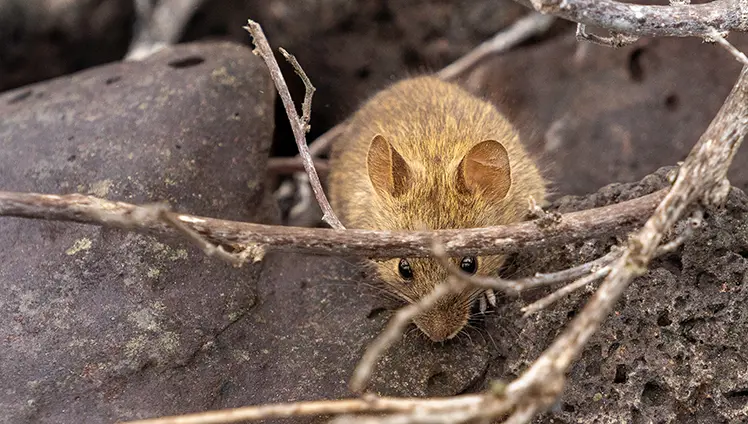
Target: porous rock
x=99 y=324
x=673 y=349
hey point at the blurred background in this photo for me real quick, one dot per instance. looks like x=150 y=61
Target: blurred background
x=593 y=115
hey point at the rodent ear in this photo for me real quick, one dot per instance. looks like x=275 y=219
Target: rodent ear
x=485 y=169
x=388 y=171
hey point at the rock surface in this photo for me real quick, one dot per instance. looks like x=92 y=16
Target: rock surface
x=673 y=350
x=96 y=318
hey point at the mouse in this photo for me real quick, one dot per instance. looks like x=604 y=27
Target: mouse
x=427 y=154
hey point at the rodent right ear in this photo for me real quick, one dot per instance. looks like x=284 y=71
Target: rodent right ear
x=485 y=169
x=388 y=171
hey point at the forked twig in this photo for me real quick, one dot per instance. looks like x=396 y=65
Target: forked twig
x=597 y=273
x=309 y=89
x=297 y=123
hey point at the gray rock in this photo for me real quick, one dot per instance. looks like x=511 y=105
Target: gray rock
x=674 y=348
x=97 y=317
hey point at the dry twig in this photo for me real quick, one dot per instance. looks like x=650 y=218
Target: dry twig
x=394 y=330
x=290 y=165
x=693 y=20
x=323 y=407
x=720 y=39
x=298 y=124
x=615 y=40
x=573 y=227
x=597 y=272
x=565 y=291
x=306 y=106
x=207 y=247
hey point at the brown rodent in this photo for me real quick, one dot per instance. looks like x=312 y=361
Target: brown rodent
x=424 y=153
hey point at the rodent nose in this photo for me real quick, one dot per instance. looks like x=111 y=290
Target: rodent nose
x=439 y=333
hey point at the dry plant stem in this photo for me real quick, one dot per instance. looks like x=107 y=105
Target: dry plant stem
x=694 y=20
x=565 y=291
x=690 y=225
x=529 y=26
x=323 y=407
x=159 y=27
x=718 y=38
x=701 y=179
x=306 y=106
x=544 y=280
x=291 y=165
x=297 y=123
x=615 y=40
x=523 y=284
x=394 y=331
x=694 y=222
x=208 y=248
x=573 y=227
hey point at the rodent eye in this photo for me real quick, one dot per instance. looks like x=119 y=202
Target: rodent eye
x=469 y=264
x=404 y=268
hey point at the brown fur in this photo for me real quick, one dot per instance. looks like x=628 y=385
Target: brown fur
x=410 y=159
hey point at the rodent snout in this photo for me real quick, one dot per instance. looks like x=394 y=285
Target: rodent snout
x=443 y=322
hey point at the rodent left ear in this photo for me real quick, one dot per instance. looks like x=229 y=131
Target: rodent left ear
x=485 y=169
x=388 y=171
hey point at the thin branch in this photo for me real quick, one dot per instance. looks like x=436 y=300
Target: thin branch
x=306 y=106
x=291 y=165
x=523 y=284
x=720 y=39
x=207 y=247
x=689 y=226
x=161 y=26
x=544 y=280
x=565 y=291
x=322 y=407
x=394 y=330
x=297 y=124
x=694 y=20
x=529 y=26
x=573 y=227
x=615 y=40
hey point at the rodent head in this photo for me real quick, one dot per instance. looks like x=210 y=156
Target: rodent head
x=467 y=191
